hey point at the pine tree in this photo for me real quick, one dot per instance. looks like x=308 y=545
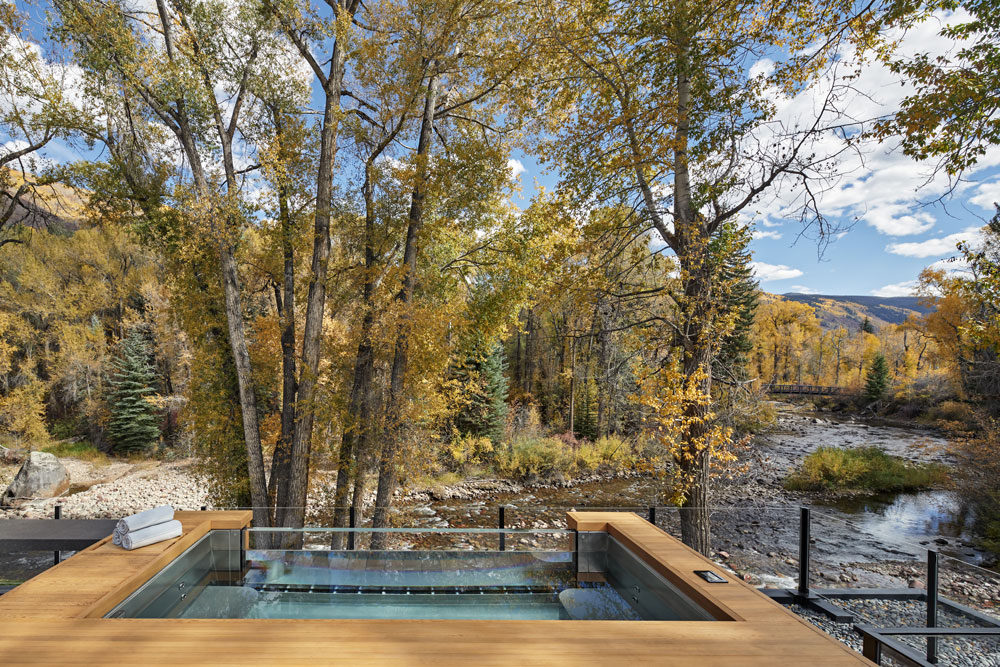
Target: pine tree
x=740 y=290
x=134 y=424
x=867 y=326
x=585 y=419
x=483 y=408
x=877 y=380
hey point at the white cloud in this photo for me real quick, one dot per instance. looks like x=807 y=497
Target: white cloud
x=986 y=194
x=762 y=67
x=765 y=234
x=905 y=288
x=876 y=184
x=516 y=167
x=767 y=272
x=802 y=289
x=934 y=247
x=895 y=220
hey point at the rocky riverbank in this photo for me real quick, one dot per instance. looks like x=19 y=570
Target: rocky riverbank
x=115 y=489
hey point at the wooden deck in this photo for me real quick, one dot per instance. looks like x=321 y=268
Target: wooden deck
x=55 y=618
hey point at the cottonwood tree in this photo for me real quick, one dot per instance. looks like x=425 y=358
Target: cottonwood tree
x=190 y=68
x=966 y=320
x=671 y=108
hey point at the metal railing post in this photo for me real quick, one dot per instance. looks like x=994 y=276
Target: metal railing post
x=871 y=648
x=57 y=556
x=351 y=523
x=576 y=553
x=805 y=521
x=652 y=514
x=502 y=524
x=932 y=603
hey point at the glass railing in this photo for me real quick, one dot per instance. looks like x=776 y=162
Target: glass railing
x=437 y=538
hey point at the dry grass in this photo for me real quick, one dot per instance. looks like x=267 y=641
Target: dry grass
x=82 y=450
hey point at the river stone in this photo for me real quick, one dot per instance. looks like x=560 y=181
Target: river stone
x=41 y=476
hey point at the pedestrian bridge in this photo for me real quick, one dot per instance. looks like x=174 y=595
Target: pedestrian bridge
x=807 y=390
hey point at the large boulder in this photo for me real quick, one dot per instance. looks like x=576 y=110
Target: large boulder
x=41 y=476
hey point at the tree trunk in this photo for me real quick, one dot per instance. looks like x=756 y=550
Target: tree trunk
x=298 y=487
x=281 y=461
x=530 y=351
x=603 y=384
x=518 y=370
x=694 y=460
x=393 y=427
x=248 y=400
x=572 y=387
x=836 y=380
x=354 y=442
x=692 y=252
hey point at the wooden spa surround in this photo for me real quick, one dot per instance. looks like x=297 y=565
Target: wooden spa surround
x=56 y=619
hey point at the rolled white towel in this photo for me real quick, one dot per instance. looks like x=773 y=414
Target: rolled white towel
x=144 y=519
x=116 y=538
x=151 y=535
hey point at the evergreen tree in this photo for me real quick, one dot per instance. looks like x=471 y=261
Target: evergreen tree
x=483 y=404
x=134 y=424
x=867 y=326
x=585 y=417
x=740 y=291
x=877 y=380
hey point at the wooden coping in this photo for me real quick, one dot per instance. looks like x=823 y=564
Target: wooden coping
x=56 y=618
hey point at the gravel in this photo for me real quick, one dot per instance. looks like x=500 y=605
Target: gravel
x=118 y=489
x=959 y=651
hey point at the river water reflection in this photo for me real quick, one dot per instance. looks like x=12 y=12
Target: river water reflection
x=932 y=519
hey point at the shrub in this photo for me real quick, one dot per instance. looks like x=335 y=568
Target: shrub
x=22 y=415
x=977 y=473
x=955 y=413
x=464 y=450
x=609 y=451
x=528 y=458
x=546 y=457
x=866 y=469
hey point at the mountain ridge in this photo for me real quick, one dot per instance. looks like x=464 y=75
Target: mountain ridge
x=850 y=311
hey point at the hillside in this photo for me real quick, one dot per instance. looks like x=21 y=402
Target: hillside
x=850 y=311
x=55 y=207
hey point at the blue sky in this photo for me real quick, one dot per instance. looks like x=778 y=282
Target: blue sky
x=897 y=232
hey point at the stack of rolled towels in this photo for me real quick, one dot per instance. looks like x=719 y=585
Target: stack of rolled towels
x=147 y=527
